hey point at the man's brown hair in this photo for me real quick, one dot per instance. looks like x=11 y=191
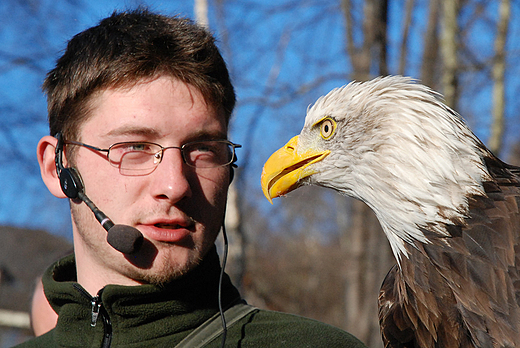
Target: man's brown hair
x=126 y=48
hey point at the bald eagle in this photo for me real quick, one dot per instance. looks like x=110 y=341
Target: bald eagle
x=448 y=207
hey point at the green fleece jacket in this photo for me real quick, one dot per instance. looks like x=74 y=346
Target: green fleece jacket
x=161 y=316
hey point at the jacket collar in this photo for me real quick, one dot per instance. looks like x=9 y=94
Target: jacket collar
x=136 y=313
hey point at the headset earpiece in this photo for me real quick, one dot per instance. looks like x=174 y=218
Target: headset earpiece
x=70 y=181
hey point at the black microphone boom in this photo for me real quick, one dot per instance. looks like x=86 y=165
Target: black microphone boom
x=123 y=238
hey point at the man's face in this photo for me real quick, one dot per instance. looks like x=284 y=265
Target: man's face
x=178 y=209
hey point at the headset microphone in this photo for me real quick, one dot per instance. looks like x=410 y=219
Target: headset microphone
x=123 y=238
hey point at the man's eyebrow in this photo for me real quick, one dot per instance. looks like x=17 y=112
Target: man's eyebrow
x=152 y=133
x=133 y=130
x=204 y=135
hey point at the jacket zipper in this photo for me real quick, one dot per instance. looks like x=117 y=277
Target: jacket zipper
x=96 y=304
x=97 y=309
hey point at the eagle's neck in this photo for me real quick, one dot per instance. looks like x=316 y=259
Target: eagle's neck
x=417 y=202
x=416 y=210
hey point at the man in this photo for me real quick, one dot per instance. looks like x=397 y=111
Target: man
x=138 y=110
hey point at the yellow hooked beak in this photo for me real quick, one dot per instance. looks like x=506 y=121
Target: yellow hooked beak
x=285 y=168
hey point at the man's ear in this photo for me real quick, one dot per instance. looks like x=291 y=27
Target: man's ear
x=46 y=152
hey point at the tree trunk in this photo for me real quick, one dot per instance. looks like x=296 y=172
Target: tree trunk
x=449 y=52
x=200 y=8
x=431 y=46
x=236 y=260
x=369 y=259
x=237 y=241
x=499 y=67
x=406 y=30
x=367 y=252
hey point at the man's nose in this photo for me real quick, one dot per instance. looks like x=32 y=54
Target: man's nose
x=170 y=179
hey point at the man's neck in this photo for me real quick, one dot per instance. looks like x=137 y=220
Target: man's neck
x=92 y=275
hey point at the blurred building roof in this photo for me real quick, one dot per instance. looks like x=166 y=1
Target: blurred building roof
x=24 y=256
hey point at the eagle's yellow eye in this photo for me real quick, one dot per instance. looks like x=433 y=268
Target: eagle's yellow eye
x=327 y=128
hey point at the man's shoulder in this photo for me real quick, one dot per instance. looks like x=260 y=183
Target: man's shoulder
x=265 y=328
x=46 y=340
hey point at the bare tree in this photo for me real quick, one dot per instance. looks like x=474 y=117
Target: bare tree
x=431 y=45
x=404 y=41
x=234 y=236
x=449 y=49
x=498 y=70
x=363 y=242
x=360 y=57
x=200 y=8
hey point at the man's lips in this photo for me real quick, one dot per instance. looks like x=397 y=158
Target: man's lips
x=170 y=232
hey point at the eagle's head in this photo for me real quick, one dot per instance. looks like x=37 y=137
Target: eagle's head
x=393 y=144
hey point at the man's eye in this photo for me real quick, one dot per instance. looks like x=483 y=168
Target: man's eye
x=205 y=154
x=136 y=147
x=204 y=148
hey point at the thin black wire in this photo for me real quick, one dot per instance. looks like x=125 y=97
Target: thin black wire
x=224 y=259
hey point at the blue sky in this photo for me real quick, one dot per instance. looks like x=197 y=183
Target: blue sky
x=272 y=48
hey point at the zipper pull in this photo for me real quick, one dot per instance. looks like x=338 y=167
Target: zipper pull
x=96 y=304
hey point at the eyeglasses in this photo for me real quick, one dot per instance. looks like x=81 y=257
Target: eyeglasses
x=142 y=157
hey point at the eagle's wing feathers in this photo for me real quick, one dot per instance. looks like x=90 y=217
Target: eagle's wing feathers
x=408 y=320
x=469 y=283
